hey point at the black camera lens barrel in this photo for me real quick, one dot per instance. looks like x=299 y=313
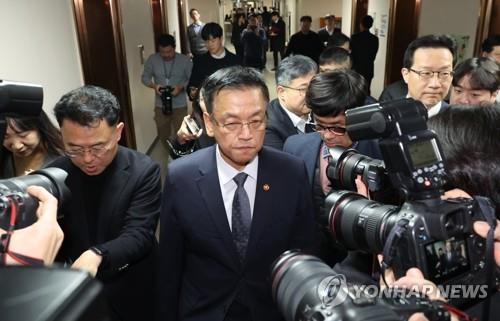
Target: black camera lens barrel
x=359 y=223
x=294 y=275
x=52 y=179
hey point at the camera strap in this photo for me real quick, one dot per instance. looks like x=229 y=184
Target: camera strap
x=5 y=241
x=390 y=246
x=167 y=76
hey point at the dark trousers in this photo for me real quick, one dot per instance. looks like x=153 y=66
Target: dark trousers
x=275 y=55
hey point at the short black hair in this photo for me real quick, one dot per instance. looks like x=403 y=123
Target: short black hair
x=166 y=40
x=191 y=11
x=484 y=73
x=338 y=39
x=275 y=13
x=490 y=42
x=429 y=41
x=335 y=55
x=235 y=77
x=471 y=151
x=87 y=105
x=333 y=92
x=367 y=22
x=211 y=29
x=306 y=18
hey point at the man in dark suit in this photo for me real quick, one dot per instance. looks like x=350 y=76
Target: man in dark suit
x=277 y=32
x=330 y=94
x=230 y=210
x=110 y=221
x=305 y=42
x=428 y=70
x=328 y=30
x=364 y=47
x=287 y=114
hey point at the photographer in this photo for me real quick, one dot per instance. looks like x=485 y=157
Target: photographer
x=39 y=242
x=329 y=95
x=168 y=72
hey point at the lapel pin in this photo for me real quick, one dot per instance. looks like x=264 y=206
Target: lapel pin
x=266 y=187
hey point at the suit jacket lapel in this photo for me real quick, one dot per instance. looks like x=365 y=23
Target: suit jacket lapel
x=262 y=213
x=209 y=187
x=311 y=153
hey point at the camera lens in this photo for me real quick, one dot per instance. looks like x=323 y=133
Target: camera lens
x=52 y=179
x=347 y=164
x=300 y=280
x=359 y=223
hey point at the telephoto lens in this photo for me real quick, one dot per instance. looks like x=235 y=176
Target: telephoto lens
x=306 y=289
x=14 y=190
x=359 y=223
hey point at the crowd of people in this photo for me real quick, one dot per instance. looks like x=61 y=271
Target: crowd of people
x=250 y=182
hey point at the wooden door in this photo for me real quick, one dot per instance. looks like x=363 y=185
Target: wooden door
x=100 y=40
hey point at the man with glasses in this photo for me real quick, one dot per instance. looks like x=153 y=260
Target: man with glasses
x=329 y=95
x=109 y=223
x=428 y=70
x=230 y=210
x=287 y=114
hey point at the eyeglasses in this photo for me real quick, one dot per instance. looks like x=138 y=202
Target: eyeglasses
x=301 y=91
x=96 y=151
x=428 y=75
x=337 y=130
x=257 y=125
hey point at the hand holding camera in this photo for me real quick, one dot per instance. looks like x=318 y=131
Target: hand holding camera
x=41 y=240
x=189 y=130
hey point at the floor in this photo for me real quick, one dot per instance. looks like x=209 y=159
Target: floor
x=160 y=154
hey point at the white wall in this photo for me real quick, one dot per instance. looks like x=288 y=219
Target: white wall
x=460 y=19
x=317 y=9
x=138 y=29
x=39 y=45
x=173 y=21
x=346 y=17
x=379 y=10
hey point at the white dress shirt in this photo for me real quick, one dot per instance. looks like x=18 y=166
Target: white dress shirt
x=228 y=187
x=298 y=122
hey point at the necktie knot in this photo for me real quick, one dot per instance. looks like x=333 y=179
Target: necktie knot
x=240 y=179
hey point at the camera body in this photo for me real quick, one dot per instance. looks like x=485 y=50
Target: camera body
x=166 y=99
x=434 y=235
x=307 y=289
x=13 y=190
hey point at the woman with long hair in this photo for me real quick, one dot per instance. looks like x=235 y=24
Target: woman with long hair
x=29 y=143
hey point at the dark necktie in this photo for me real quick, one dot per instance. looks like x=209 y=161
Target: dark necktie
x=241 y=217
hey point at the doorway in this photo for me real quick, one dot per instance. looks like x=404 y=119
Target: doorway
x=98 y=25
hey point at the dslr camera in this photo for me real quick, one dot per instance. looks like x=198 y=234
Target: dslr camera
x=14 y=200
x=424 y=231
x=166 y=99
x=305 y=288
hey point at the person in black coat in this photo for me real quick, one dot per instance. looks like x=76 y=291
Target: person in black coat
x=364 y=47
x=110 y=221
x=277 y=32
x=305 y=42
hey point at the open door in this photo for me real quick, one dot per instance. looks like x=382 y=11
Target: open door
x=100 y=40
x=403 y=28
